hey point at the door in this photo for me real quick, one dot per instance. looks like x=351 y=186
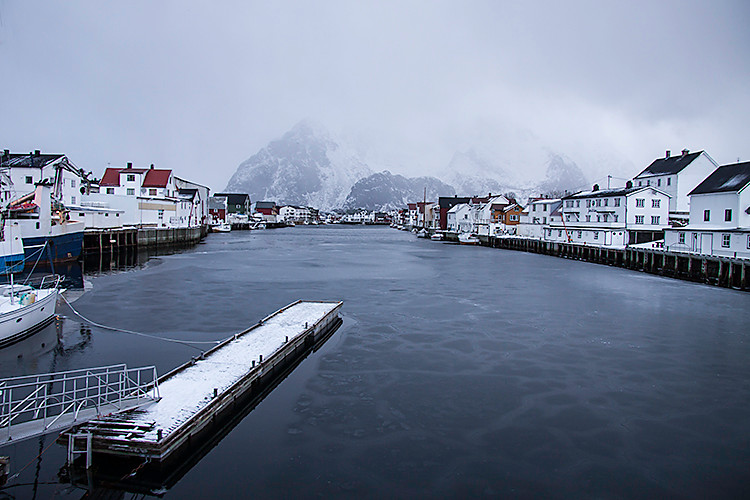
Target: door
x=707 y=240
x=694 y=243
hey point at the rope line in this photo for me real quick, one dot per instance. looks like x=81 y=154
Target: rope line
x=141 y=334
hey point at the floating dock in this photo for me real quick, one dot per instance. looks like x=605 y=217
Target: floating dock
x=206 y=389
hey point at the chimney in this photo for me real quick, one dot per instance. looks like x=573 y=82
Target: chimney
x=595 y=188
x=6 y=152
x=130 y=164
x=37 y=152
x=685 y=151
x=669 y=153
x=629 y=184
x=152 y=166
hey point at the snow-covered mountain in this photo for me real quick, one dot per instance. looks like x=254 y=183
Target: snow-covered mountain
x=304 y=167
x=307 y=166
x=386 y=191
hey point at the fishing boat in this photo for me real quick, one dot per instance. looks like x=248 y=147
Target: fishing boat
x=468 y=239
x=437 y=237
x=11 y=249
x=224 y=227
x=24 y=310
x=45 y=227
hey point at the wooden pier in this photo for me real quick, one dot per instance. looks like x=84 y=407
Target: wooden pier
x=112 y=241
x=726 y=272
x=196 y=396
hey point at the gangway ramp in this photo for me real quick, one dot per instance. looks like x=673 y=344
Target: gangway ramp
x=34 y=405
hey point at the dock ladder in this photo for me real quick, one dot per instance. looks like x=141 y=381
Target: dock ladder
x=33 y=405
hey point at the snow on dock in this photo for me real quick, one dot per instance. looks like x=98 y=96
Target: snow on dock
x=188 y=391
x=191 y=395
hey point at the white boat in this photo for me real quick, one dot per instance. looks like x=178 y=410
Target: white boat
x=468 y=239
x=437 y=237
x=24 y=310
x=423 y=234
x=222 y=228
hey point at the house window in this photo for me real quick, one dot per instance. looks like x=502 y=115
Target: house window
x=725 y=238
x=639 y=219
x=533 y=208
x=567 y=217
x=72 y=183
x=596 y=235
x=81 y=214
x=728 y=215
x=681 y=238
x=29 y=180
x=654 y=220
x=559 y=233
x=161 y=214
x=131 y=177
x=544 y=220
x=579 y=234
x=598 y=218
x=658 y=182
x=606 y=202
x=617 y=202
x=614 y=217
x=640 y=183
x=544 y=207
x=110 y=190
x=640 y=202
x=748 y=241
x=669 y=181
x=655 y=203
x=588 y=218
x=152 y=192
x=648 y=182
x=131 y=191
x=606 y=216
x=578 y=203
x=706 y=215
x=598 y=203
x=72 y=200
x=588 y=203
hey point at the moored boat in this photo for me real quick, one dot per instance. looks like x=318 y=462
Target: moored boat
x=437 y=237
x=468 y=239
x=24 y=310
x=224 y=227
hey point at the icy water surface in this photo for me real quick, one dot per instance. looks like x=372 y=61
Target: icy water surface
x=458 y=371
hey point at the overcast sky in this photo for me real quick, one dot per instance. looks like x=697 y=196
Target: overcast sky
x=200 y=86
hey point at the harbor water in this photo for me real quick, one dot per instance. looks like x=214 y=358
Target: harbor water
x=458 y=371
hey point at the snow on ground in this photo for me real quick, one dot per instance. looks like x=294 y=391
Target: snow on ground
x=185 y=393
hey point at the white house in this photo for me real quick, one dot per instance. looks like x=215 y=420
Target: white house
x=152 y=192
x=719 y=215
x=198 y=196
x=536 y=216
x=25 y=170
x=484 y=214
x=611 y=217
x=677 y=176
x=461 y=218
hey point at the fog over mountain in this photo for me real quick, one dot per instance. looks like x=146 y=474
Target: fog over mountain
x=309 y=166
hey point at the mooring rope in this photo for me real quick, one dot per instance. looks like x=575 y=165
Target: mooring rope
x=141 y=334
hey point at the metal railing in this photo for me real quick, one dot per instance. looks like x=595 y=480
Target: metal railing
x=37 y=402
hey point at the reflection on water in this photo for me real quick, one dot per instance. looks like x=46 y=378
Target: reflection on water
x=457 y=372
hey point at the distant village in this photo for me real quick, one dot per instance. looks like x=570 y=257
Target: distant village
x=680 y=203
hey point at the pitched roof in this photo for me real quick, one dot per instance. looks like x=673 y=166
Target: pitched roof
x=266 y=204
x=111 y=177
x=605 y=193
x=725 y=179
x=670 y=165
x=156 y=178
x=28 y=160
